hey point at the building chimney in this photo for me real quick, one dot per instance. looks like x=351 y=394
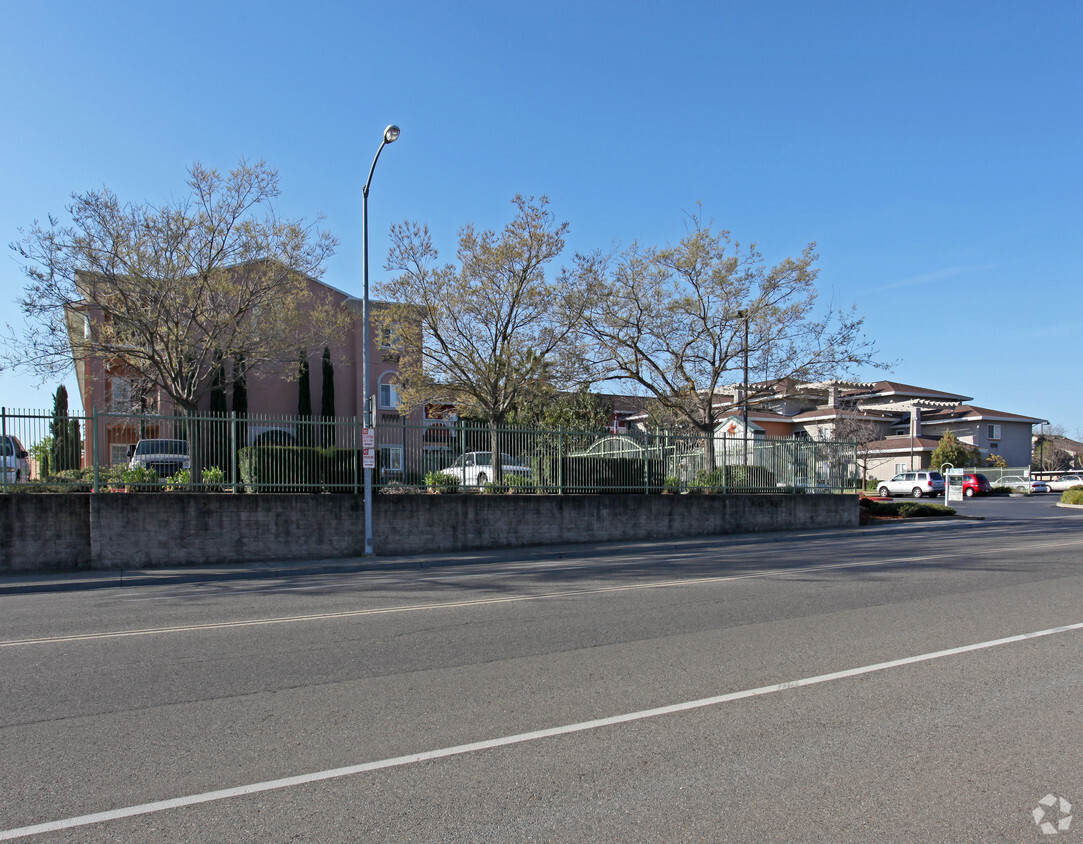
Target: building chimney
x=915 y=421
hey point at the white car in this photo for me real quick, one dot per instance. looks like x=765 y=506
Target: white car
x=918 y=483
x=1064 y=482
x=1021 y=484
x=14 y=460
x=475 y=468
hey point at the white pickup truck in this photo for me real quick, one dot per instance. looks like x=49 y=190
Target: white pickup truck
x=166 y=457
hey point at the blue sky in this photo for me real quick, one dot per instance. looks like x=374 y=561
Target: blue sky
x=932 y=150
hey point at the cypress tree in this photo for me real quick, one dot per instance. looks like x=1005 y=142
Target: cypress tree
x=304 y=403
x=218 y=450
x=218 y=388
x=327 y=401
x=66 y=451
x=240 y=400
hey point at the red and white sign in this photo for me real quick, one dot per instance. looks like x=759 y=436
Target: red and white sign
x=368 y=448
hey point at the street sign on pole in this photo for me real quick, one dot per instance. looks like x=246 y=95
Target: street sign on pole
x=368 y=448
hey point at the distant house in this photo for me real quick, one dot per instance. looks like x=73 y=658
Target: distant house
x=898 y=425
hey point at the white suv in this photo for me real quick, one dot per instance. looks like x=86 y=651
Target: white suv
x=917 y=484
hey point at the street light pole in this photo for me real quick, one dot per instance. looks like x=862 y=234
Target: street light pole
x=743 y=315
x=391 y=134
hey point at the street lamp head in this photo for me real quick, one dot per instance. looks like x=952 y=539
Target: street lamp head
x=391 y=134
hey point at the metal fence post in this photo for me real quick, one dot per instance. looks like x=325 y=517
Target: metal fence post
x=14 y=459
x=647 y=463
x=560 y=461
x=233 y=452
x=94 y=449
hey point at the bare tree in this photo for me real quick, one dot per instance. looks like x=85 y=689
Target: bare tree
x=157 y=292
x=860 y=431
x=493 y=331
x=673 y=321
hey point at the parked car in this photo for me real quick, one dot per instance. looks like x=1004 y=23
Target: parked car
x=14 y=460
x=1021 y=484
x=918 y=483
x=274 y=436
x=166 y=457
x=475 y=468
x=976 y=484
x=1064 y=482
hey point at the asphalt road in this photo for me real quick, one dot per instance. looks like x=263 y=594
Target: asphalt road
x=898 y=683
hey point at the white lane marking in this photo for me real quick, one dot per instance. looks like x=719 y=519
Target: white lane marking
x=520 y=738
x=510 y=599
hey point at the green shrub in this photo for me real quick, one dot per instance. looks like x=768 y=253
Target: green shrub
x=442 y=482
x=213 y=478
x=141 y=476
x=912 y=510
x=733 y=479
x=511 y=483
x=708 y=480
x=904 y=509
x=671 y=483
x=1074 y=495
x=590 y=474
x=289 y=468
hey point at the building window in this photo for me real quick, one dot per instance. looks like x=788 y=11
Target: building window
x=389 y=391
x=994 y=432
x=390 y=459
x=901 y=467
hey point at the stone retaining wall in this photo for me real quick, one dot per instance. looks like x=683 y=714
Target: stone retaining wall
x=137 y=530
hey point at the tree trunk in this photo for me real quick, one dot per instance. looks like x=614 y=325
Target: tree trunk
x=195 y=441
x=494 y=446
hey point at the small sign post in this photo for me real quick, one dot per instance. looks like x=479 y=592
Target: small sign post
x=953 y=484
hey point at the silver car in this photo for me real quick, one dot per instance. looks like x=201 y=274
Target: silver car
x=1017 y=483
x=919 y=483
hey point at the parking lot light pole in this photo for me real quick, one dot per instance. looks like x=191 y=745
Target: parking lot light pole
x=391 y=134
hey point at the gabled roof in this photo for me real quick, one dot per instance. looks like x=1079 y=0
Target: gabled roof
x=968 y=411
x=894 y=389
x=903 y=444
x=826 y=414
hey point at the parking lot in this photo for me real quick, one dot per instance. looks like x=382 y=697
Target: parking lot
x=1037 y=506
